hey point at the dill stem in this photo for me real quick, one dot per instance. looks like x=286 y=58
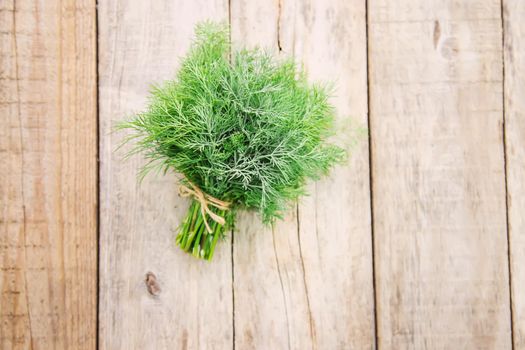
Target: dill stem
x=217 y=232
x=194 y=237
x=182 y=238
x=195 y=226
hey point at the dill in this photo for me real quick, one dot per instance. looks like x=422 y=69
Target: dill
x=248 y=130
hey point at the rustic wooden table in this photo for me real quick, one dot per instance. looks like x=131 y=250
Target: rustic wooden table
x=427 y=248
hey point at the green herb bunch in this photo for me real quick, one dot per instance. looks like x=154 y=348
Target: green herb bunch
x=245 y=129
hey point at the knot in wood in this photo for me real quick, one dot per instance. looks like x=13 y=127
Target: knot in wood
x=151 y=284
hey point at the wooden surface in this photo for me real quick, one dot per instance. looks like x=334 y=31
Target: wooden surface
x=294 y=280
x=139 y=44
x=417 y=243
x=438 y=175
x=48 y=171
x=514 y=54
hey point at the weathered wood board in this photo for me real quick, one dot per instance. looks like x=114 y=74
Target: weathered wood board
x=435 y=72
x=446 y=173
x=48 y=171
x=308 y=282
x=514 y=53
x=139 y=44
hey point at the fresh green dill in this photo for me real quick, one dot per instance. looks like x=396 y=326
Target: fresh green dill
x=246 y=129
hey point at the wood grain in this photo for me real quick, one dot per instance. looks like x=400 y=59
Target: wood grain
x=514 y=53
x=438 y=169
x=48 y=192
x=152 y=295
x=335 y=222
x=438 y=174
x=307 y=283
x=271 y=309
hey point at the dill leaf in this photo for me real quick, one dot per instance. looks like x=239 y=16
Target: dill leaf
x=247 y=128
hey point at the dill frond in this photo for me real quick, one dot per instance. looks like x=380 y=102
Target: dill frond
x=250 y=131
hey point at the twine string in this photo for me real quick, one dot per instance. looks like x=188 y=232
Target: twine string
x=205 y=201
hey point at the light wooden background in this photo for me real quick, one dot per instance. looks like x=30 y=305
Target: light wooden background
x=418 y=243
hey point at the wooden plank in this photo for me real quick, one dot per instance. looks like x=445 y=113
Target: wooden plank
x=264 y=317
x=48 y=192
x=438 y=174
x=308 y=282
x=139 y=44
x=514 y=53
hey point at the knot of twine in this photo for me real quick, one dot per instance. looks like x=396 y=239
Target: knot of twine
x=205 y=201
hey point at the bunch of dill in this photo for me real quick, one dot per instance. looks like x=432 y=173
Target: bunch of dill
x=244 y=129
